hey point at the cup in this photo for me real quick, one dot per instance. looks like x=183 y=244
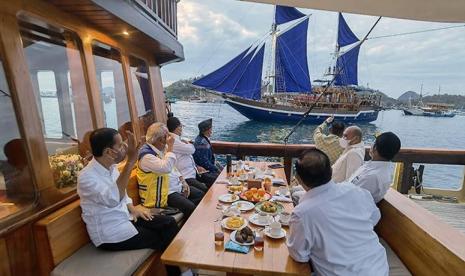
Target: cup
x=275 y=228
x=283 y=191
x=262 y=218
x=285 y=217
x=258 y=240
x=218 y=233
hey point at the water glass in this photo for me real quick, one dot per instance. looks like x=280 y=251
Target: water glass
x=259 y=241
x=218 y=233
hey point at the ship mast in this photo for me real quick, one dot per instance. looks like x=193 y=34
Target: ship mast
x=272 y=71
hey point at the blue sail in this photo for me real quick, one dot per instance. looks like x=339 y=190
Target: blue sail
x=346 y=67
x=285 y=14
x=229 y=83
x=345 y=36
x=291 y=67
x=216 y=77
x=249 y=86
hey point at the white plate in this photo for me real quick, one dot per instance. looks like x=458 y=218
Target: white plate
x=232 y=236
x=280 y=236
x=228 y=198
x=223 y=223
x=244 y=205
x=254 y=219
x=278 y=218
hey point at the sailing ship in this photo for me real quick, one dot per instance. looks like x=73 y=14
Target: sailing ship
x=286 y=92
x=429 y=109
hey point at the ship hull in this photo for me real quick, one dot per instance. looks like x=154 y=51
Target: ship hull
x=259 y=113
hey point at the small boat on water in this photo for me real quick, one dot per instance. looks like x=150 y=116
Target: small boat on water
x=430 y=110
x=286 y=92
x=196 y=99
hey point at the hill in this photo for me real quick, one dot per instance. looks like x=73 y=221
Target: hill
x=457 y=100
x=404 y=98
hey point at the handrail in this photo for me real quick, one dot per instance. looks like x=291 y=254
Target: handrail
x=160 y=19
x=407 y=156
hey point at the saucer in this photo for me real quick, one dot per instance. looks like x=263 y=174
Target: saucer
x=280 y=236
x=254 y=219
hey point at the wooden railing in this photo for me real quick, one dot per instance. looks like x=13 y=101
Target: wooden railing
x=406 y=156
x=162 y=11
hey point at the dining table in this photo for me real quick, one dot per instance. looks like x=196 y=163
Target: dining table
x=194 y=246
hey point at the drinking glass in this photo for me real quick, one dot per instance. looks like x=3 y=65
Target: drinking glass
x=259 y=240
x=218 y=233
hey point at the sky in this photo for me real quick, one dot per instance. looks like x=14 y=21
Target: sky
x=214 y=31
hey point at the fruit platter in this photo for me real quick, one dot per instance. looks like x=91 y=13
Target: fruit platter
x=255 y=195
x=269 y=208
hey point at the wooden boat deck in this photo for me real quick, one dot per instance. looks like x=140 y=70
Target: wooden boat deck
x=451 y=213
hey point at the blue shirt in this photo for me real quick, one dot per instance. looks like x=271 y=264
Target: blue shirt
x=203 y=155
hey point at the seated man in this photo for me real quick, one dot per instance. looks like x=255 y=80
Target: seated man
x=112 y=222
x=353 y=155
x=184 y=161
x=160 y=183
x=203 y=155
x=333 y=224
x=329 y=144
x=376 y=175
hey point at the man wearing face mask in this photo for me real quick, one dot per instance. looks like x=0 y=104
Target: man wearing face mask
x=376 y=175
x=194 y=175
x=203 y=155
x=112 y=221
x=353 y=155
x=160 y=183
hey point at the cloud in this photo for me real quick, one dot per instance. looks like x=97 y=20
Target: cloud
x=214 y=31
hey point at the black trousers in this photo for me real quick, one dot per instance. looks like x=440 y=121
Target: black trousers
x=155 y=234
x=208 y=178
x=197 y=184
x=186 y=204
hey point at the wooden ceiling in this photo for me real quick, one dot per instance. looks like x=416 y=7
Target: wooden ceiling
x=164 y=45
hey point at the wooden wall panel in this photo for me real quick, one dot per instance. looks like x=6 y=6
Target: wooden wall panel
x=4 y=259
x=21 y=250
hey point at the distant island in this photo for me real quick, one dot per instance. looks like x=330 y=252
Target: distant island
x=183 y=90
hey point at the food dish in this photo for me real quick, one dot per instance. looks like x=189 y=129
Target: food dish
x=243 y=205
x=234 y=223
x=255 y=195
x=228 y=198
x=244 y=236
x=270 y=208
x=235 y=189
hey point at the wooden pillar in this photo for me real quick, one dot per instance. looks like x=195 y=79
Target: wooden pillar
x=158 y=96
x=36 y=91
x=130 y=96
x=288 y=168
x=64 y=103
x=406 y=178
x=93 y=92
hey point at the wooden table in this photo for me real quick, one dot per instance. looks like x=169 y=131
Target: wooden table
x=194 y=245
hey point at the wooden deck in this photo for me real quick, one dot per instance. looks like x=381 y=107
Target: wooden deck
x=451 y=213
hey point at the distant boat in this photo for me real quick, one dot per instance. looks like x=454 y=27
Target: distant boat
x=286 y=92
x=429 y=109
x=196 y=99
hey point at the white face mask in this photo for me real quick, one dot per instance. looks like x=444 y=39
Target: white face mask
x=344 y=143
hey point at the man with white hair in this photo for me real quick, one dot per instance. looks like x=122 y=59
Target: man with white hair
x=160 y=183
x=353 y=155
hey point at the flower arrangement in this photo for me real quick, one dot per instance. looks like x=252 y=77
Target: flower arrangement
x=65 y=169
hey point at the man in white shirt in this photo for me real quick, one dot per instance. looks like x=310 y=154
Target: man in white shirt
x=332 y=227
x=113 y=223
x=193 y=174
x=376 y=174
x=157 y=157
x=353 y=155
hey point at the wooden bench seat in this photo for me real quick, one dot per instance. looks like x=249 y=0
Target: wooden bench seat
x=64 y=248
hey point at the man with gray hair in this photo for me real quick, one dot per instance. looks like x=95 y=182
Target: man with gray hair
x=353 y=155
x=160 y=183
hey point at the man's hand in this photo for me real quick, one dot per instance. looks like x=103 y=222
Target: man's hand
x=201 y=170
x=132 y=147
x=186 y=190
x=169 y=143
x=330 y=120
x=140 y=211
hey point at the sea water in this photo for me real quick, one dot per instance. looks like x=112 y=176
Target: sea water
x=414 y=132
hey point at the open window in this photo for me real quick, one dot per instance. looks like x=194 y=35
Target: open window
x=142 y=92
x=53 y=57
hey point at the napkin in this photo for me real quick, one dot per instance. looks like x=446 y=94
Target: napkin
x=281 y=198
x=234 y=247
x=278 y=181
